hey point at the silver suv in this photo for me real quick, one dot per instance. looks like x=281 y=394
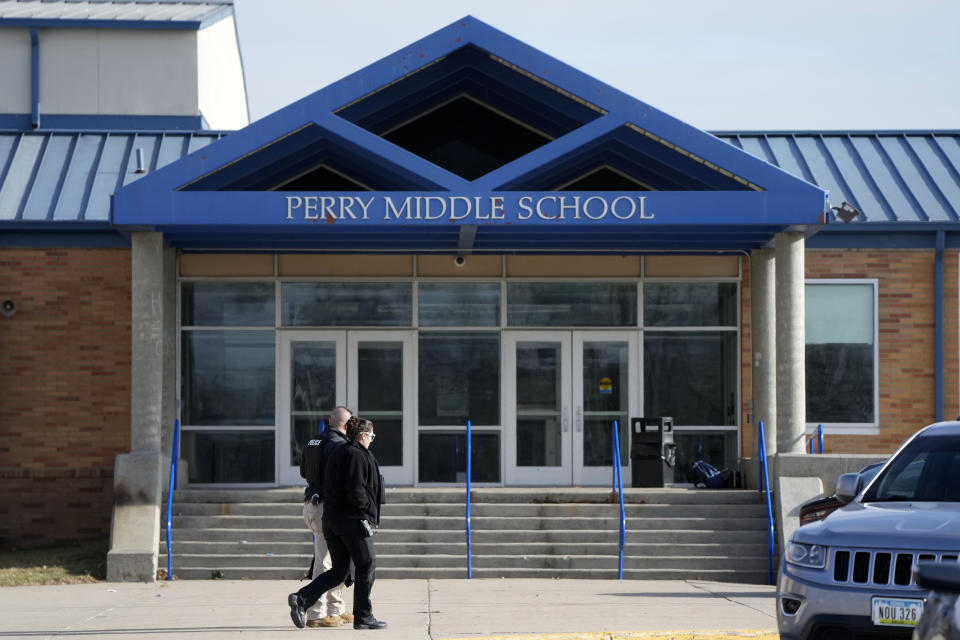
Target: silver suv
x=850 y=575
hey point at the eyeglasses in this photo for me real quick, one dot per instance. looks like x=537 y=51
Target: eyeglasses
x=372 y=435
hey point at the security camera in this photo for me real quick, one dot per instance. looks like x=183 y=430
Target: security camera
x=846 y=212
x=8 y=307
x=459 y=261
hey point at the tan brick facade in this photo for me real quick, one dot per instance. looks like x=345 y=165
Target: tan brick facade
x=65 y=401
x=906 y=329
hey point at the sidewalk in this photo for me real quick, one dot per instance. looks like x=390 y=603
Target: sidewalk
x=414 y=609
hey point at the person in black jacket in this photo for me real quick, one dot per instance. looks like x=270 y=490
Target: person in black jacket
x=352 y=495
x=329 y=609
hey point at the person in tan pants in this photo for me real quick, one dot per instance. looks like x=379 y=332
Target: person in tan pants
x=329 y=610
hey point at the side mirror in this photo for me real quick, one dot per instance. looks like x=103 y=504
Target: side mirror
x=939 y=576
x=848 y=486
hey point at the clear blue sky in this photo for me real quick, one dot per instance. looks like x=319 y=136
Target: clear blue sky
x=733 y=64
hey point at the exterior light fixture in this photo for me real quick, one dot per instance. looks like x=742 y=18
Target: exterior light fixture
x=846 y=212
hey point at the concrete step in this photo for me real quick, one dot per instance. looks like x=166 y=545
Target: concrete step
x=479 y=523
x=437 y=573
x=448 y=510
x=274 y=548
x=523 y=532
x=496 y=495
x=584 y=536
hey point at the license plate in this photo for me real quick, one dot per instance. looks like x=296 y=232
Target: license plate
x=895 y=612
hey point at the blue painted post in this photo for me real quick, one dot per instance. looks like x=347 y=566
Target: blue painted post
x=172 y=485
x=623 y=515
x=469 y=469
x=613 y=454
x=820 y=439
x=766 y=483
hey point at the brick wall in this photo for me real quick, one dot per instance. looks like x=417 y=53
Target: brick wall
x=65 y=401
x=906 y=341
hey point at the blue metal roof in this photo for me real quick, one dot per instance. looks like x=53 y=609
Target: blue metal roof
x=890 y=176
x=673 y=187
x=63 y=177
x=121 y=14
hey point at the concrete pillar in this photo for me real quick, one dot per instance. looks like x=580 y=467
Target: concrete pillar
x=137 y=482
x=763 y=332
x=791 y=342
x=169 y=401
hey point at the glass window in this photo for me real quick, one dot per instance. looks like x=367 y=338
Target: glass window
x=229 y=456
x=227 y=304
x=313 y=391
x=469 y=304
x=690 y=304
x=443 y=456
x=718 y=448
x=539 y=404
x=691 y=376
x=841 y=353
x=605 y=399
x=228 y=377
x=380 y=397
x=349 y=304
x=459 y=378
x=926 y=470
x=571 y=304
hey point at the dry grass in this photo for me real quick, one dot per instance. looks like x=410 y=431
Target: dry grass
x=69 y=564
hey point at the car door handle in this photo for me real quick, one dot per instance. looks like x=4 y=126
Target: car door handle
x=565 y=419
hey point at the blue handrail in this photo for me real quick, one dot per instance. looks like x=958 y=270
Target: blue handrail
x=172 y=485
x=619 y=487
x=819 y=440
x=469 y=558
x=765 y=486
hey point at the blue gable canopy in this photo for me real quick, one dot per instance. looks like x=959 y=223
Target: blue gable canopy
x=469 y=140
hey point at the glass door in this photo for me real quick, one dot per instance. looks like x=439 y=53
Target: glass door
x=537 y=398
x=312 y=381
x=605 y=387
x=381 y=381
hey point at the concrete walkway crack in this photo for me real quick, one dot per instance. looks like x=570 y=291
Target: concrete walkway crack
x=68 y=629
x=429 y=611
x=728 y=598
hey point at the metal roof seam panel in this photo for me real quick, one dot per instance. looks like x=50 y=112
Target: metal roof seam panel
x=945 y=158
x=14 y=187
x=91 y=178
x=926 y=176
x=155 y=156
x=936 y=185
x=49 y=172
x=6 y=163
x=74 y=185
x=868 y=177
x=28 y=192
x=801 y=160
x=771 y=157
x=898 y=176
x=55 y=197
x=835 y=170
x=97 y=13
x=123 y=170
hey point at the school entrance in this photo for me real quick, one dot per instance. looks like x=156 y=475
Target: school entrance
x=479 y=234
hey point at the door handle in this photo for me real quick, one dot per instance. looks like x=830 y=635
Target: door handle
x=565 y=419
x=579 y=424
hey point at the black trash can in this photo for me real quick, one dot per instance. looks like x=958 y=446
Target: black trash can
x=648 y=468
